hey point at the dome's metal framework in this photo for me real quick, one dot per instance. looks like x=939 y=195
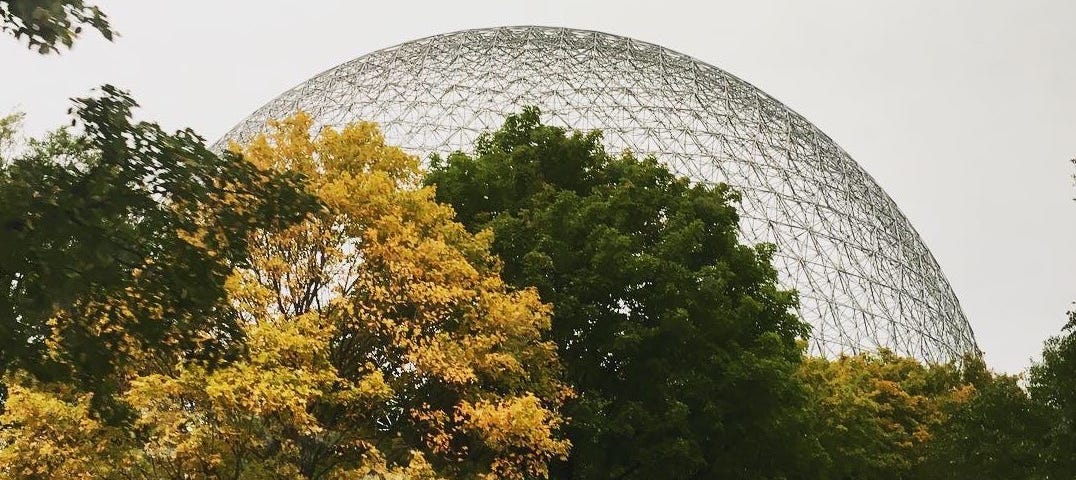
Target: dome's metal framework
x=864 y=276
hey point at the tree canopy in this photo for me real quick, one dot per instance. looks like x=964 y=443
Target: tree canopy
x=302 y=306
x=996 y=433
x=876 y=412
x=1052 y=385
x=676 y=337
x=380 y=341
x=118 y=240
x=46 y=25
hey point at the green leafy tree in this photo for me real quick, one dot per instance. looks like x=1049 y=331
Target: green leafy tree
x=680 y=344
x=998 y=432
x=48 y=24
x=1052 y=384
x=117 y=242
x=9 y=133
x=1007 y=431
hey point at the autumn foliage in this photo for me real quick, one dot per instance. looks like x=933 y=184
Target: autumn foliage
x=876 y=413
x=379 y=340
x=303 y=307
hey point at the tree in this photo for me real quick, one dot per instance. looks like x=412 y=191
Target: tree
x=676 y=337
x=877 y=412
x=1007 y=431
x=1052 y=384
x=998 y=432
x=118 y=241
x=47 y=24
x=380 y=343
x=9 y=133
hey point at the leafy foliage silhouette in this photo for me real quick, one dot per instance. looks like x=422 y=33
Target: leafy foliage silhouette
x=46 y=25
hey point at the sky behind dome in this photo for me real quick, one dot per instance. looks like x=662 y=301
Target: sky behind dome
x=963 y=111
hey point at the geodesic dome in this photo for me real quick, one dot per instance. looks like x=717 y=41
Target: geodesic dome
x=864 y=276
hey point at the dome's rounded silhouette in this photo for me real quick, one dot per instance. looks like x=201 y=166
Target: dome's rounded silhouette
x=864 y=276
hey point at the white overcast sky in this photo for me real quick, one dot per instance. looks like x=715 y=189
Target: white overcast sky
x=964 y=111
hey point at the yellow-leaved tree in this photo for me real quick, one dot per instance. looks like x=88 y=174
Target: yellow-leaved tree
x=380 y=343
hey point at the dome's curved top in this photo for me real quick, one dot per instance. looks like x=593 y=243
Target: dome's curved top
x=864 y=276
